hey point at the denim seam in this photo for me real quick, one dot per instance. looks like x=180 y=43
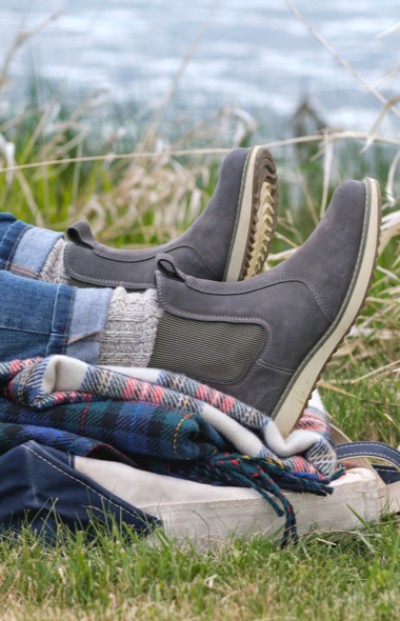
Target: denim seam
x=68 y=322
x=53 y=330
x=83 y=484
x=52 y=322
x=88 y=336
x=373 y=449
x=15 y=246
x=25 y=272
x=23 y=330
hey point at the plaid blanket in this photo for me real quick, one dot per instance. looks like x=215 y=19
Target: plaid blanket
x=164 y=422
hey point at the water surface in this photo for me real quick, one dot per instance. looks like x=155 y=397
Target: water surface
x=253 y=54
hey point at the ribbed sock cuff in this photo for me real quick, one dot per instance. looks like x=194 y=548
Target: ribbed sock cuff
x=131 y=327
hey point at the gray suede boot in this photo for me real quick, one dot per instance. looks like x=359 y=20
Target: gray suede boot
x=229 y=241
x=267 y=340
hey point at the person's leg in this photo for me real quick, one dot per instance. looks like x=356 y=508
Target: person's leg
x=5 y=220
x=98 y=326
x=131 y=327
x=53 y=268
x=229 y=241
x=38 y=319
x=33 y=317
x=266 y=340
x=31 y=251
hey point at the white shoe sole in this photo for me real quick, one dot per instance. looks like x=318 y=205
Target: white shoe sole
x=290 y=407
x=257 y=215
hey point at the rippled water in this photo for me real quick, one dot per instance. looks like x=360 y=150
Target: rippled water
x=252 y=53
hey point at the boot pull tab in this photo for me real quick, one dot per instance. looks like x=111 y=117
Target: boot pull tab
x=167 y=267
x=80 y=234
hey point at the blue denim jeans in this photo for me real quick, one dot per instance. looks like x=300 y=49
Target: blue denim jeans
x=37 y=318
x=24 y=248
x=40 y=487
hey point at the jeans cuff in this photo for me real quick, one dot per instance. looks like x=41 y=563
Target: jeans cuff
x=86 y=324
x=10 y=241
x=62 y=311
x=34 y=248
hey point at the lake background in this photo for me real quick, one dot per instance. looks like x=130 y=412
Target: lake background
x=249 y=54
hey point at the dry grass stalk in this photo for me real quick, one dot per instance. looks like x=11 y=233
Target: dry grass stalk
x=155 y=182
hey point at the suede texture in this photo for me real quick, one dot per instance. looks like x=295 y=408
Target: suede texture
x=201 y=251
x=295 y=303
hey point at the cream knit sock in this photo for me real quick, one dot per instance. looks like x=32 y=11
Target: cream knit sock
x=53 y=268
x=131 y=328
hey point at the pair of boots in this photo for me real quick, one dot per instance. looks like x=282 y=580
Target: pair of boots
x=263 y=338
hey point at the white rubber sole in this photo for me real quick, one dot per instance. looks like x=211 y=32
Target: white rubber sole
x=291 y=405
x=257 y=209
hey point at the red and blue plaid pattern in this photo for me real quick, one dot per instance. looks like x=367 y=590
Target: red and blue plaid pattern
x=157 y=425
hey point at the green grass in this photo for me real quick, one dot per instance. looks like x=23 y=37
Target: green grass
x=346 y=576
x=114 y=576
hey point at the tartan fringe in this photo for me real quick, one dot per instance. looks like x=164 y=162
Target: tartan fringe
x=264 y=476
